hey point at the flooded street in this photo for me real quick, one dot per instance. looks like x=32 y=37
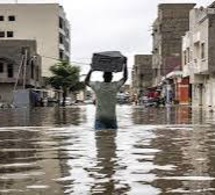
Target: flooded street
x=48 y=151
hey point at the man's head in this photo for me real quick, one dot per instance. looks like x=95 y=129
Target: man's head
x=107 y=76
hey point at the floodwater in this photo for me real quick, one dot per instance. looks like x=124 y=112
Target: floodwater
x=47 y=151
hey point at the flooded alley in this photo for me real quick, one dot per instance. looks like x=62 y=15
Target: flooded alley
x=46 y=151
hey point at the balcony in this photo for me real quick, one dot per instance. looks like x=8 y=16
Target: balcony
x=197 y=66
x=201 y=66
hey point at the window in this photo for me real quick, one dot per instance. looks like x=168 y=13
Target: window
x=32 y=69
x=188 y=55
x=67 y=33
x=37 y=73
x=61 y=22
x=2 y=34
x=11 y=18
x=60 y=54
x=66 y=45
x=185 y=57
x=196 y=52
x=10 y=70
x=9 y=33
x=203 y=50
x=61 y=38
x=1 y=18
x=1 y=67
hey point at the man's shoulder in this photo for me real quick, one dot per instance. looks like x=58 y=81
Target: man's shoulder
x=120 y=82
x=94 y=82
x=95 y=85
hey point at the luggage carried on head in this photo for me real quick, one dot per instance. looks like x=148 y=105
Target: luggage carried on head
x=109 y=61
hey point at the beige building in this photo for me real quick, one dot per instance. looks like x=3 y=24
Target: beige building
x=20 y=67
x=141 y=73
x=44 y=23
x=170 y=25
x=199 y=56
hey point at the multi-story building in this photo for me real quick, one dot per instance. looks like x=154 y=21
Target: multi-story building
x=199 y=56
x=171 y=24
x=142 y=73
x=44 y=23
x=20 y=67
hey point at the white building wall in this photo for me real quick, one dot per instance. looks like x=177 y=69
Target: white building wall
x=197 y=68
x=39 y=22
x=207 y=93
x=212 y=91
x=196 y=99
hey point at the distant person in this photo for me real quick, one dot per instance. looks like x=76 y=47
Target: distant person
x=106 y=99
x=135 y=99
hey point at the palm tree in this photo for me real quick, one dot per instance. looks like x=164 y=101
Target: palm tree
x=65 y=77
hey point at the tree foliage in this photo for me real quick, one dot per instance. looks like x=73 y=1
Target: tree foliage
x=65 y=77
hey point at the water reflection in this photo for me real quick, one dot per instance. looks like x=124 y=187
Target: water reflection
x=74 y=115
x=164 y=115
x=186 y=148
x=42 y=116
x=154 y=151
x=23 y=163
x=106 y=162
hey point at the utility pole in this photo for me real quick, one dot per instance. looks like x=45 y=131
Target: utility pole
x=25 y=68
x=19 y=72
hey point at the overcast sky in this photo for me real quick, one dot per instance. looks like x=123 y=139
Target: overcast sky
x=104 y=25
x=124 y=25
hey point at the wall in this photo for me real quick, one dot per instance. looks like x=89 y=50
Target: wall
x=38 y=22
x=211 y=46
x=11 y=53
x=6 y=94
x=143 y=72
x=171 y=25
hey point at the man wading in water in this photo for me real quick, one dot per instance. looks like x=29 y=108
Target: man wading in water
x=106 y=92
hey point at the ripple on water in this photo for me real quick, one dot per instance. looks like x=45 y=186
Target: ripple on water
x=138 y=158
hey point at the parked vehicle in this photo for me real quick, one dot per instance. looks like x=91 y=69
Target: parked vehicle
x=155 y=102
x=123 y=98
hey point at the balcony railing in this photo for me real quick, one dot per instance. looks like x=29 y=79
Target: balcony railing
x=201 y=66
x=197 y=66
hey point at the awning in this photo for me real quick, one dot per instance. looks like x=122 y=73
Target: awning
x=174 y=74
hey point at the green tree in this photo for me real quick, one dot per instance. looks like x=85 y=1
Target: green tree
x=65 y=77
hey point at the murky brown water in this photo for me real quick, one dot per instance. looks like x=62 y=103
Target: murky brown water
x=50 y=151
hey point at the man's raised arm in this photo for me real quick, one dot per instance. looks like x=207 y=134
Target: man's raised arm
x=125 y=72
x=87 y=79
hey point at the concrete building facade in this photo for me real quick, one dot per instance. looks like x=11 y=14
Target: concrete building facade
x=45 y=23
x=142 y=73
x=171 y=24
x=20 y=67
x=199 y=56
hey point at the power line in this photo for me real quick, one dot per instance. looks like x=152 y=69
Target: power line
x=57 y=59
x=75 y=62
